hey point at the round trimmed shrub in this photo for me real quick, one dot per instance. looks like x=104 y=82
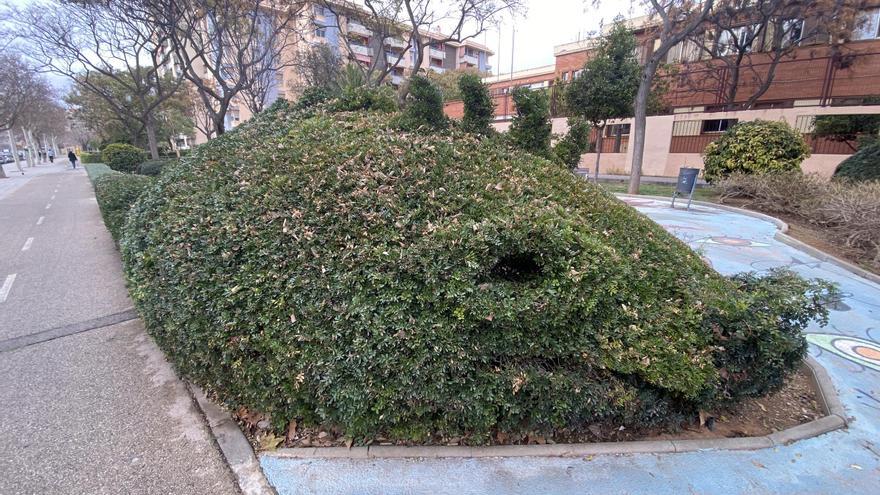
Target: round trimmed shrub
x=123 y=157
x=755 y=147
x=333 y=269
x=424 y=106
x=864 y=165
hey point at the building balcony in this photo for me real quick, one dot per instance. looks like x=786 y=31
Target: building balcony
x=439 y=70
x=391 y=59
x=396 y=80
x=469 y=60
x=357 y=28
x=435 y=53
x=396 y=43
x=362 y=50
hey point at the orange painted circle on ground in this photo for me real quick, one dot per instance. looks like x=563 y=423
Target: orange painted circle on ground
x=867 y=352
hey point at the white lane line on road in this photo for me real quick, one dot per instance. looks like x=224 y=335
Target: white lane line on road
x=7 y=286
x=40 y=220
x=27 y=244
x=53 y=197
x=48 y=206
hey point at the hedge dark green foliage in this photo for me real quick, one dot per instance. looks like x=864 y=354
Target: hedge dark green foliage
x=116 y=192
x=574 y=143
x=864 y=165
x=424 y=106
x=123 y=157
x=154 y=167
x=755 y=147
x=479 y=109
x=86 y=157
x=363 y=98
x=311 y=96
x=95 y=170
x=331 y=268
x=530 y=127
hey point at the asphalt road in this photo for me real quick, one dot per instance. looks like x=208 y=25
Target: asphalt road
x=96 y=411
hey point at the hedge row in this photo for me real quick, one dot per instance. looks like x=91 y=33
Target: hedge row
x=330 y=268
x=85 y=157
x=115 y=193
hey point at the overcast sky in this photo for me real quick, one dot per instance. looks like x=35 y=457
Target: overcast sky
x=546 y=24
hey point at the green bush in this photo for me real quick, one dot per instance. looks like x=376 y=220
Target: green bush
x=95 y=170
x=330 y=268
x=479 y=109
x=424 y=106
x=123 y=157
x=530 y=128
x=864 y=165
x=116 y=192
x=364 y=98
x=755 y=147
x=576 y=142
x=86 y=157
x=154 y=167
x=311 y=96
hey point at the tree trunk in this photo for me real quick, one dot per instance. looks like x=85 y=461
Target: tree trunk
x=599 y=149
x=639 y=122
x=14 y=149
x=29 y=155
x=151 y=138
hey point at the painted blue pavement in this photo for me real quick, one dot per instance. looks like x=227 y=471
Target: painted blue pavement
x=841 y=462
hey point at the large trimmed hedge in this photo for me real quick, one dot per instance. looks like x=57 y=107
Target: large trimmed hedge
x=333 y=269
x=864 y=165
x=116 y=192
x=755 y=147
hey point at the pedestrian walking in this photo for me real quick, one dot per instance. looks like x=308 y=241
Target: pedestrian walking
x=51 y=154
x=72 y=157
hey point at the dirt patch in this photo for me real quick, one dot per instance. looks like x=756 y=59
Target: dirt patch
x=796 y=403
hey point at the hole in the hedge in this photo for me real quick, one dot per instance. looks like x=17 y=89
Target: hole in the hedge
x=517 y=267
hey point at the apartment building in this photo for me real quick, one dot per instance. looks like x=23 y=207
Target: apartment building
x=814 y=79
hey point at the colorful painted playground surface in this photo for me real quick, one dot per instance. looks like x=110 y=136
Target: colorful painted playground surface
x=841 y=462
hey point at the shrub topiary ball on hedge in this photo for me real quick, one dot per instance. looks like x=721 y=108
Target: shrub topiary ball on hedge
x=755 y=147
x=123 y=157
x=333 y=269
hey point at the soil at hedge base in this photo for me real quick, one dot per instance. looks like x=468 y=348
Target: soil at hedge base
x=796 y=403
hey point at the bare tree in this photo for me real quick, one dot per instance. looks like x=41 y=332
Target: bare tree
x=676 y=20
x=229 y=47
x=746 y=40
x=418 y=24
x=90 y=42
x=21 y=91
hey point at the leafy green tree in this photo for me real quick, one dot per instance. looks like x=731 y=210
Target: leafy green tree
x=479 y=109
x=530 y=128
x=847 y=128
x=576 y=142
x=607 y=86
x=756 y=147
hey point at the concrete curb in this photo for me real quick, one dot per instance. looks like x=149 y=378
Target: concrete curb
x=781 y=236
x=234 y=445
x=835 y=420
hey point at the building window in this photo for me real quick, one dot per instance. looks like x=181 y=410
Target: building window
x=867 y=25
x=717 y=125
x=565 y=76
x=612 y=130
x=321 y=32
x=792 y=32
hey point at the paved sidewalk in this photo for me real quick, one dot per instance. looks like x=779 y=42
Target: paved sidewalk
x=841 y=462
x=15 y=179
x=85 y=411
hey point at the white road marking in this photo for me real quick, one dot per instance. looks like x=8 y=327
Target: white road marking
x=7 y=286
x=27 y=244
x=53 y=197
x=48 y=206
x=40 y=220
